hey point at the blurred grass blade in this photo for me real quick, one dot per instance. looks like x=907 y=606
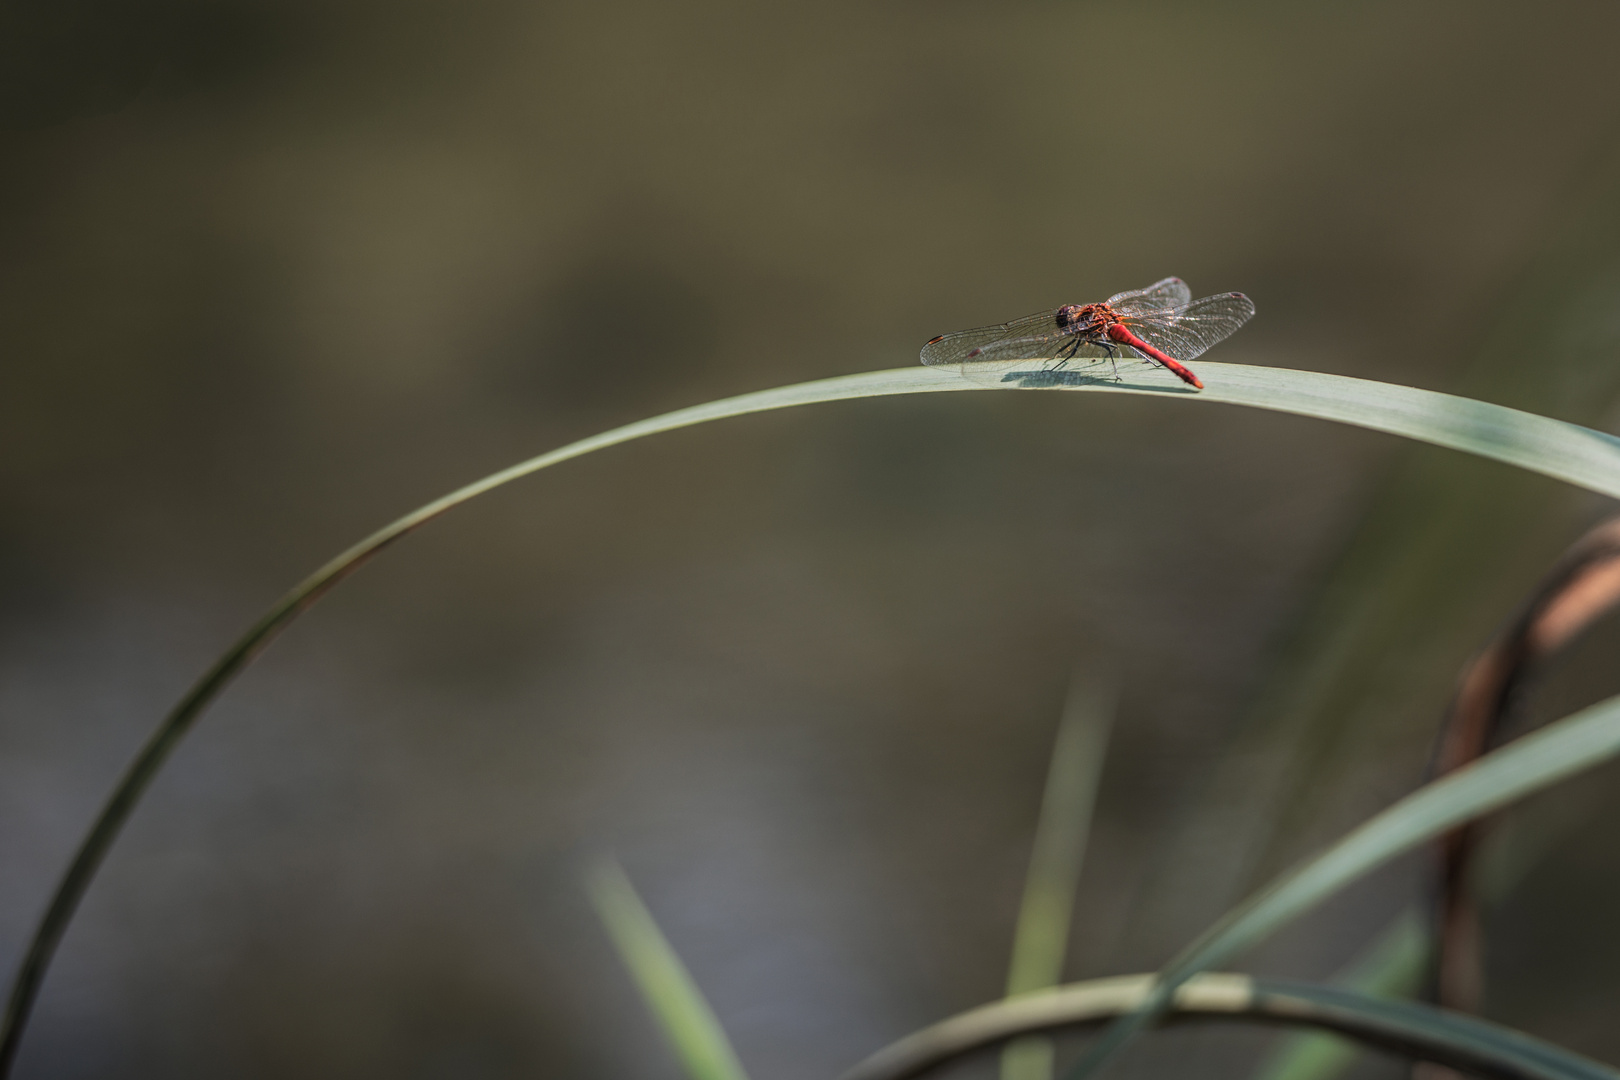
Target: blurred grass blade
x=1042 y=937
x=1441 y=550
x=1477 y=1047
x=1394 y=964
x=1528 y=764
x=1578 y=455
x=666 y=986
x=1391 y=966
x=1041 y=940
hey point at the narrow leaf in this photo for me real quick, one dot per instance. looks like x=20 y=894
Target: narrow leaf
x=1475 y=1046
x=667 y=988
x=1042 y=938
x=1391 y=966
x=1527 y=765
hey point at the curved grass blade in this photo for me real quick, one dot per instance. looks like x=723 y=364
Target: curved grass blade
x=1420 y=1031
x=666 y=986
x=1456 y=1039
x=1526 y=765
x=1438 y=542
x=1041 y=940
x=1392 y=966
x=1578 y=455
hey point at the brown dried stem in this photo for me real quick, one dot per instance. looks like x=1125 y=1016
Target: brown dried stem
x=1581 y=588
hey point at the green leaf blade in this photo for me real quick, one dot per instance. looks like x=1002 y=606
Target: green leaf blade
x=1568 y=452
x=668 y=989
x=1391 y=966
x=1042 y=936
x=1529 y=764
x=1041 y=940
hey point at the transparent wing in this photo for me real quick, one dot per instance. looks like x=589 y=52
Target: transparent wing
x=1034 y=337
x=1029 y=352
x=1164 y=295
x=1190 y=331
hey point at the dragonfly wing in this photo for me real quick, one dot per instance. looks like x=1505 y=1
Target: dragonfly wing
x=1035 y=337
x=1190 y=331
x=1028 y=352
x=1164 y=295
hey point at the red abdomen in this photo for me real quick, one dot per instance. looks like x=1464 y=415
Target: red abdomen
x=1118 y=332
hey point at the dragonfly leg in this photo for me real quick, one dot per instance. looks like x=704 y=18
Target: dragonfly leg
x=1071 y=349
x=1113 y=364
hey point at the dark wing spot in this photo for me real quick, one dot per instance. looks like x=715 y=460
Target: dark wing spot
x=974 y=353
x=936 y=340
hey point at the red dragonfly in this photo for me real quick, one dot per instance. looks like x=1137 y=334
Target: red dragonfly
x=1161 y=323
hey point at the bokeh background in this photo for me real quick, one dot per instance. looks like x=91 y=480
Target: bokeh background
x=273 y=273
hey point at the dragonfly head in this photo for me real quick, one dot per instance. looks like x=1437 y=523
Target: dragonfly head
x=1070 y=317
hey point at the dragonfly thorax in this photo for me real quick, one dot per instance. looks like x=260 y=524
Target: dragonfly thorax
x=1085 y=318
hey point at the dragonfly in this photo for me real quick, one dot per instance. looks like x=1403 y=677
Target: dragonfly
x=1161 y=324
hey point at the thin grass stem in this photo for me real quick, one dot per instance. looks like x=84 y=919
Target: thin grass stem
x=667 y=988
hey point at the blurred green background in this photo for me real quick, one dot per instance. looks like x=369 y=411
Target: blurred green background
x=272 y=274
